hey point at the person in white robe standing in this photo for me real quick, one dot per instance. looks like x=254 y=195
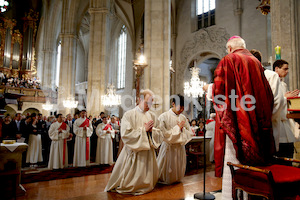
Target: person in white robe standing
x=136 y=171
x=58 y=133
x=105 y=133
x=210 y=132
x=83 y=130
x=287 y=137
x=176 y=132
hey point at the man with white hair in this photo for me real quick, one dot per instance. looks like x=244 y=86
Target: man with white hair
x=243 y=101
x=136 y=171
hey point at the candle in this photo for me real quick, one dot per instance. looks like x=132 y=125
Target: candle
x=277 y=52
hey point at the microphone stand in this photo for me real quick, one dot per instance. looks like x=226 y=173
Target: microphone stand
x=204 y=195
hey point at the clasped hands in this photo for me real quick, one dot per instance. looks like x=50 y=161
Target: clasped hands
x=181 y=124
x=148 y=126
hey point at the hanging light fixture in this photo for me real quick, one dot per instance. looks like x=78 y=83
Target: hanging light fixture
x=70 y=103
x=47 y=106
x=111 y=98
x=194 y=88
x=3 y=5
x=264 y=7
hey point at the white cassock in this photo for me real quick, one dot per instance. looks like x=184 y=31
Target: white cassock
x=287 y=126
x=58 y=158
x=194 y=129
x=171 y=159
x=34 y=152
x=210 y=131
x=279 y=102
x=104 y=154
x=136 y=171
x=82 y=143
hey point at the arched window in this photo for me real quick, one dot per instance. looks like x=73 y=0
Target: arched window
x=206 y=13
x=58 y=64
x=122 y=40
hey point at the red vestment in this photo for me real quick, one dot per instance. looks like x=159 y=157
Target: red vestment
x=86 y=123
x=63 y=126
x=250 y=131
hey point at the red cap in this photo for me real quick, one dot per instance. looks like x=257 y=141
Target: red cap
x=233 y=37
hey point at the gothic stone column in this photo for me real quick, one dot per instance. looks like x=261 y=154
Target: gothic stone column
x=285 y=33
x=97 y=56
x=67 y=70
x=157 y=49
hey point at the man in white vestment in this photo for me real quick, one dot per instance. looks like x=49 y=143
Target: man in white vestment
x=279 y=101
x=105 y=133
x=58 y=132
x=176 y=132
x=83 y=130
x=136 y=171
x=287 y=137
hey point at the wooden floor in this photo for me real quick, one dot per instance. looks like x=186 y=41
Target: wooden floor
x=92 y=187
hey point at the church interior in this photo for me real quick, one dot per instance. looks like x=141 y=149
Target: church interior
x=65 y=56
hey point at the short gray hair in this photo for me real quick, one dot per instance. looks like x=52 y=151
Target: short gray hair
x=236 y=42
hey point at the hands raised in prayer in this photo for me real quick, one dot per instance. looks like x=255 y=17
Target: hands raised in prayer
x=181 y=124
x=148 y=126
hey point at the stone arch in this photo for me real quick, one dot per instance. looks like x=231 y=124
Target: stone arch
x=206 y=43
x=30 y=110
x=10 y=110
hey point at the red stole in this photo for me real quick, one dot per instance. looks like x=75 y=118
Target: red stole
x=250 y=131
x=86 y=123
x=108 y=126
x=209 y=120
x=63 y=126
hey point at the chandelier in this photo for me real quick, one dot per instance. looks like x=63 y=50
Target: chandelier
x=70 y=103
x=3 y=5
x=47 y=106
x=111 y=98
x=194 y=88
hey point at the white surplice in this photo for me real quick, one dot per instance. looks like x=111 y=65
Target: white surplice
x=279 y=102
x=136 y=171
x=80 y=159
x=210 y=131
x=171 y=159
x=104 y=154
x=287 y=125
x=58 y=145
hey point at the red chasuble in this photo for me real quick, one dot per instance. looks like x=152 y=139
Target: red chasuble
x=86 y=123
x=63 y=126
x=250 y=131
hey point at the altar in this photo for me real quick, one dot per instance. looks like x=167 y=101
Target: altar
x=10 y=168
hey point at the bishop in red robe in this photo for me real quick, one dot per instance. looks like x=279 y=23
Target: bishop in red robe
x=243 y=101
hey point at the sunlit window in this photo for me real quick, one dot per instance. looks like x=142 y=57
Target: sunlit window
x=122 y=40
x=206 y=13
x=58 y=64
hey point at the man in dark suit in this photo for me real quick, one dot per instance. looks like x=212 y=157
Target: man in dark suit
x=71 y=141
x=16 y=126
